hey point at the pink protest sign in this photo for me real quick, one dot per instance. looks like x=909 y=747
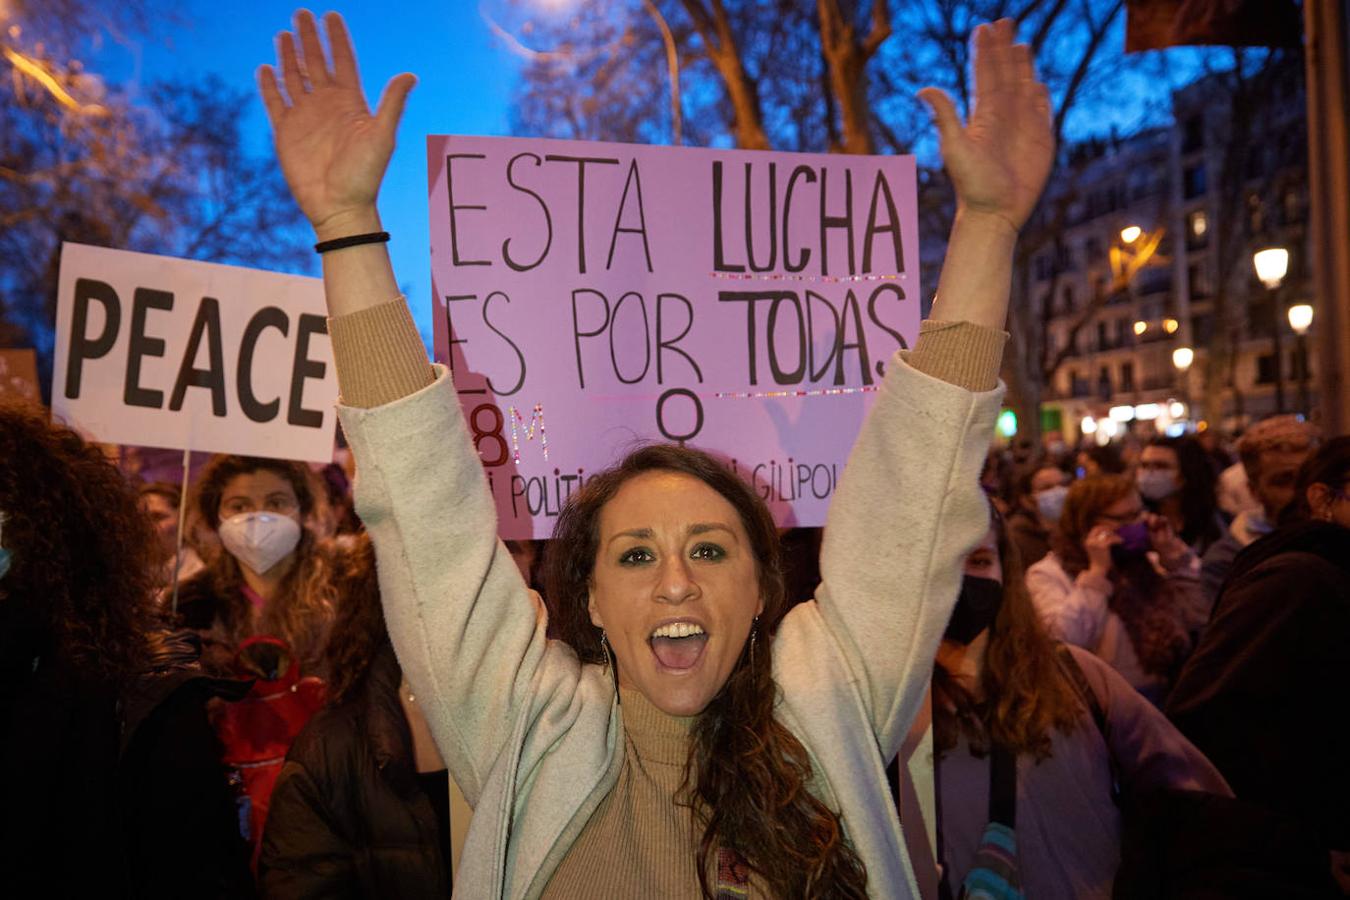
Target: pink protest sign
x=591 y=296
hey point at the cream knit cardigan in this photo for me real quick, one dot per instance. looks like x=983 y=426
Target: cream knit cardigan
x=534 y=738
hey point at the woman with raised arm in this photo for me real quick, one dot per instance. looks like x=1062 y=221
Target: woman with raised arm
x=686 y=736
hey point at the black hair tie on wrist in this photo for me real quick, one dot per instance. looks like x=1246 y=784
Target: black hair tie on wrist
x=352 y=240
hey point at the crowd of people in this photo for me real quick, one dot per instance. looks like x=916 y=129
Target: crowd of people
x=1225 y=622
x=1133 y=657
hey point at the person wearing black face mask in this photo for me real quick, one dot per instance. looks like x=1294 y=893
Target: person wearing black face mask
x=975 y=610
x=1003 y=689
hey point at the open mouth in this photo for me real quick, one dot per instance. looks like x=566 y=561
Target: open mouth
x=678 y=646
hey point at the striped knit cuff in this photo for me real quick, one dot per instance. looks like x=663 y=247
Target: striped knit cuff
x=959 y=353
x=379 y=355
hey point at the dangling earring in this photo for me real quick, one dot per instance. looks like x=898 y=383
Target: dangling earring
x=612 y=669
x=754 y=635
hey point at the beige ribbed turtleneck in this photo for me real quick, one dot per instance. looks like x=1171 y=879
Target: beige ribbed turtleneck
x=639 y=842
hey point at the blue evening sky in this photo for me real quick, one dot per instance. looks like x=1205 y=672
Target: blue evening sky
x=465 y=80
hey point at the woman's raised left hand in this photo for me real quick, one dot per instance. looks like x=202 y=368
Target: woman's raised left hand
x=1000 y=160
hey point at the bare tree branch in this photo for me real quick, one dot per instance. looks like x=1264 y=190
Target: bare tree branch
x=880 y=30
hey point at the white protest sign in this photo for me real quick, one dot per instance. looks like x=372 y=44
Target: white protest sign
x=163 y=352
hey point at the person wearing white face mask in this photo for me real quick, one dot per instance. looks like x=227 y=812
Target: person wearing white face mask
x=268 y=574
x=1040 y=500
x=1176 y=480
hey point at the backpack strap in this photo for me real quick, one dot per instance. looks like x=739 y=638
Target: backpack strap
x=1078 y=678
x=1002 y=803
x=1002 y=786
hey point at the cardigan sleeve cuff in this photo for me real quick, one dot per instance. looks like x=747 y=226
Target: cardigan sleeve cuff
x=379 y=355
x=959 y=353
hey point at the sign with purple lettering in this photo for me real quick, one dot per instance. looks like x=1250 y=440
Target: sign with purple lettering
x=161 y=352
x=591 y=296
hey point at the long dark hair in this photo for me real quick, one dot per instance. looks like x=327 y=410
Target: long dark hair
x=307 y=598
x=1330 y=465
x=1025 y=695
x=746 y=775
x=1198 y=502
x=81 y=580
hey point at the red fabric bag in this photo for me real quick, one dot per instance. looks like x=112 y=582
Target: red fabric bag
x=256 y=732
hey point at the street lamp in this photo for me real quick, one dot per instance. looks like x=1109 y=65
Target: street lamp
x=673 y=65
x=1182 y=357
x=1300 y=318
x=1272 y=263
x=1130 y=233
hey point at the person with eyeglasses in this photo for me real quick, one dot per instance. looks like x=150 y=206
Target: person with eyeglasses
x=1120 y=583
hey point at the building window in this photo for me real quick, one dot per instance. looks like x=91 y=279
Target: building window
x=1102 y=342
x=1193 y=134
x=1265 y=368
x=1292 y=202
x=1063 y=258
x=1127 y=376
x=1256 y=163
x=1104 y=383
x=1256 y=214
x=1139 y=186
x=1193 y=181
x=1197 y=230
x=1202 y=329
x=1092 y=250
x=1197 y=276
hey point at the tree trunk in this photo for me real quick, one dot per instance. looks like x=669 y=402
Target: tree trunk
x=1023 y=360
x=847 y=55
x=714 y=29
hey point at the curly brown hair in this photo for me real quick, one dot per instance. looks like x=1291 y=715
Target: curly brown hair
x=747 y=774
x=81 y=579
x=358 y=630
x=1025 y=694
x=1087 y=499
x=303 y=609
x=1146 y=602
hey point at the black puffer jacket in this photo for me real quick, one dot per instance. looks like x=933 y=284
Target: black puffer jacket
x=114 y=792
x=348 y=816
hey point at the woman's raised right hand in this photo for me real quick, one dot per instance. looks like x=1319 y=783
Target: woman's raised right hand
x=333 y=152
